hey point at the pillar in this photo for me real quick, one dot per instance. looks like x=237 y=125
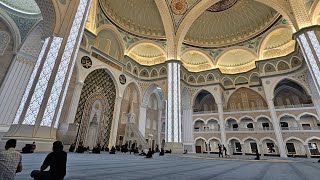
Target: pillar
x=308 y=39
x=115 y=122
x=42 y=102
x=188 y=141
x=307 y=150
x=74 y=102
x=143 y=118
x=222 y=125
x=277 y=129
x=173 y=136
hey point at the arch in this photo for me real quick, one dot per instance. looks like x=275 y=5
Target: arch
x=199 y=119
x=282 y=65
x=248 y=117
x=287 y=114
x=145 y=41
x=202 y=90
x=151 y=89
x=268 y=138
x=196 y=60
x=144 y=73
x=262 y=116
x=191 y=79
x=51 y=16
x=116 y=33
x=104 y=67
x=117 y=39
x=289 y=79
x=163 y=71
x=226 y=81
x=210 y=77
x=265 y=40
x=244 y=99
x=231 y=117
x=213 y=119
x=214 y=138
x=154 y=73
x=307 y=113
x=295 y=62
x=268 y=67
x=136 y=87
x=129 y=66
x=234 y=138
x=247 y=138
x=201 y=79
x=293 y=138
x=135 y=71
x=84 y=41
x=202 y=138
x=15 y=33
x=314 y=12
x=241 y=80
x=196 y=11
x=254 y=77
x=312 y=138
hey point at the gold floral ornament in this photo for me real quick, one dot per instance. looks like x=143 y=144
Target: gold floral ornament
x=179 y=7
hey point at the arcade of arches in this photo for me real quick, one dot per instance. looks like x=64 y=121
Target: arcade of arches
x=174 y=74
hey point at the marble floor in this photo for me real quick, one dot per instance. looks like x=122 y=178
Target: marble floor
x=125 y=166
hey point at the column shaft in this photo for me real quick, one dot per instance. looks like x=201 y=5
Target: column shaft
x=277 y=129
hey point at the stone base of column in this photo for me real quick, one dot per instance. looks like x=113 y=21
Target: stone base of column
x=189 y=147
x=42 y=145
x=26 y=134
x=176 y=148
x=67 y=133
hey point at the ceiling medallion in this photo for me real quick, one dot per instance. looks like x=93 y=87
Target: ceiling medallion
x=179 y=7
x=222 y=5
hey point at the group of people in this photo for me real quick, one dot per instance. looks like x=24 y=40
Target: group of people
x=222 y=149
x=11 y=163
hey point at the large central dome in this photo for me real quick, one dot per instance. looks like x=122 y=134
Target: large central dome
x=230 y=22
x=138 y=17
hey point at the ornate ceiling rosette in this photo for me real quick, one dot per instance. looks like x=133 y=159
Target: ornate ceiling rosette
x=179 y=7
x=222 y=5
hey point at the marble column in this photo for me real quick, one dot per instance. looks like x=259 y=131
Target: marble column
x=277 y=128
x=188 y=140
x=42 y=102
x=74 y=102
x=115 y=122
x=222 y=124
x=143 y=118
x=306 y=147
x=173 y=136
x=308 y=39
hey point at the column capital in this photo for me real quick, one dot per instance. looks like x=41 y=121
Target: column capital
x=304 y=30
x=173 y=61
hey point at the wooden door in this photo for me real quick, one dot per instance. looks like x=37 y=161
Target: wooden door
x=198 y=149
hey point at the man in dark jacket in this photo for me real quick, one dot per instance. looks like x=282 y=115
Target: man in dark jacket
x=57 y=161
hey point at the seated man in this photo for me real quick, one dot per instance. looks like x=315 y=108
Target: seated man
x=113 y=150
x=185 y=152
x=142 y=153
x=149 y=154
x=33 y=146
x=10 y=161
x=161 y=152
x=27 y=149
x=96 y=150
x=56 y=160
x=80 y=148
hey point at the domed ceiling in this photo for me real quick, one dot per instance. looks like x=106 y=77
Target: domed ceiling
x=139 y=17
x=230 y=22
x=24 y=6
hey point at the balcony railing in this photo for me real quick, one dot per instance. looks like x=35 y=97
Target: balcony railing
x=205 y=112
x=250 y=129
x=206 y=130
x=245 y=109
x=314 y=128
x=293 y=106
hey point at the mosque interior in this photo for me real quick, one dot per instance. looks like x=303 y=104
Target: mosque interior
x=173 y=74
